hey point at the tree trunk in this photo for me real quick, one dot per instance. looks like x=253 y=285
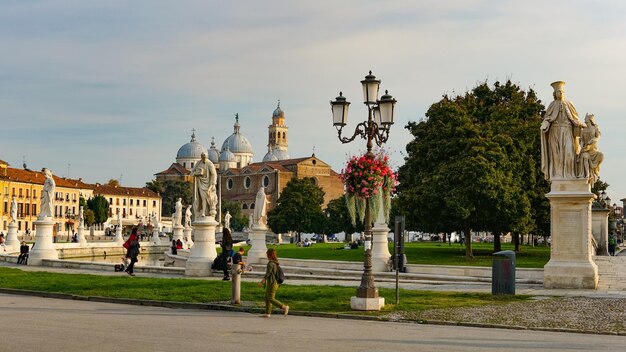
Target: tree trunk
x=468 y=243
x=497 y=245
x=516 y=242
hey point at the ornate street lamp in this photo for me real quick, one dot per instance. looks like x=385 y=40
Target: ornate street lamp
x=375 y=129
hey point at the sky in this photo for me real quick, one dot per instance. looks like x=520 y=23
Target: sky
x=111 y=89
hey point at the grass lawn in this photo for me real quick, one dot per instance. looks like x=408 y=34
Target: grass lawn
x=422 y=253
x=303 y=298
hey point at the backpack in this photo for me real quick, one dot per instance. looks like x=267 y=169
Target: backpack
x=280 y=275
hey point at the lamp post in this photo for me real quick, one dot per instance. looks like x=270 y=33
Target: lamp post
x=375 y=129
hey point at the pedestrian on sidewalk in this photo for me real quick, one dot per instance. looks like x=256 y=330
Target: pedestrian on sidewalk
x=271 y=284
x=612 y=243
x=227 y=251
x=133 y=251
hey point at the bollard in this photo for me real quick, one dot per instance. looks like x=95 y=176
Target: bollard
x=235 y=274
x=503 y=273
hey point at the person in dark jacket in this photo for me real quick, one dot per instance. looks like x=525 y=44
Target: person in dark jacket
x=133 y=251
x=174 y=247
x=23 y=257
x=227 y=251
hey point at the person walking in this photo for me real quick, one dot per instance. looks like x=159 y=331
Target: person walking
x=271 y=284
x=227 y=251
x=612 y=243
x=133 y=251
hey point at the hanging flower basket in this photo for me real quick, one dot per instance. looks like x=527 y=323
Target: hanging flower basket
x=367 y=179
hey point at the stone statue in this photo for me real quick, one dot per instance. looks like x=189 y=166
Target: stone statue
x=560 y=131
x=590 y=158
x=81 y=217
x=155 y=221
x=47 y=195
x=260 y=208
x=227 y=218
x=13 y=211
x=177 y=217
x=205 y=194
x=250 y=221
x=119 y=218
x=188 y=217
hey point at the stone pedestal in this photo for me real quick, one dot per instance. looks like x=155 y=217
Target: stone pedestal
x=119 y=238
x=258 y=249
x=178 y=233
x=380 y=248
x=376 y=303
x=82 y=241
x=155 y=239
x=12 y=243
x=571 y=265
x=203 y=251
x=43 y=248
x=187 y=237
x=600 y=230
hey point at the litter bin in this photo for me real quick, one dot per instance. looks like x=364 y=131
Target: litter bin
x=503 y=273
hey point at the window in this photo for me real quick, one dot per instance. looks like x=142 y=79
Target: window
x=144 y=202
x=13 y=191
x=6 y=207
x=124 y=202
x=154 y=203
x=26 y=225
x=245 y=206
x=247 y=182
x=27 y=193
x=192 y=164
x=131 y=211
x=266 y=181
x=252 y=206
x=110 y=201
x=229 y=183
x=131 y=203
x=117 y=201
x=34 y=211
x=26 y=209
x=34 y=193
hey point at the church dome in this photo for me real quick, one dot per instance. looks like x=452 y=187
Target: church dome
x=270 y=157
x=278 y=113
x=236 y=142
x=191 y=150
x=214 y=154
x=227 y=156
x=281 y=154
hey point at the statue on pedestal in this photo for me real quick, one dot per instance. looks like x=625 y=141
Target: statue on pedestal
x=81 y=217
x=205 y=194
x=260 y=208
x=188 y=215
x=47 y=195
x=13 y=211
x=177 y=217
x=590 y=158
x=227 y=218
x=560 y=132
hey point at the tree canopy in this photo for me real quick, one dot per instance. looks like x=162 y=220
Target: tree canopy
x=238 y=220
x=338 y=218
x=170 y=191
x=473 y=164
x=100 y=207
x=299 y=208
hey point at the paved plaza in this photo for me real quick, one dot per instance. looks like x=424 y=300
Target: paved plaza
x=45 y=324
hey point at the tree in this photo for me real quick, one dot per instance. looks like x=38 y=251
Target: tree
x=471 y=162
x=299 y=208
x=338 y=218
x=100 y=207
x=238 y=220
x=170 y=191
x=113 y=182
x=90 y=217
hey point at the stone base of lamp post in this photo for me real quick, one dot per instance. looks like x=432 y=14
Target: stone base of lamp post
x=155 y=239
x=380 y=247
x=203 y=251
x=258 y=249
x=188 y=242
x=43 y=248
x=571 y=264
x=82 y=241
x=119 y=238
x=178 y=233
x=12 y=243
x=358 y=303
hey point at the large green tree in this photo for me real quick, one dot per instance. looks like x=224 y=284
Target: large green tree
x=299 y=208
x=338 y=218
x=471 y=163
x=100 y=207
x=170 y=191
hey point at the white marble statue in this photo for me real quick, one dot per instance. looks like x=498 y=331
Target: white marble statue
x=250 y=221
x=119 y=218
x=47 y=195
x=13 y=211
x=177 y=217
x=205 y=194
x=155 y=221
x=260 y=208
x=560 y=131
x=590 y=158
x=188 y=215
x=81 y=217
x=227 y=218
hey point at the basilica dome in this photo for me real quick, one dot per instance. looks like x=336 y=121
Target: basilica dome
x=214 y=154
x=191 y=150
x=270 y=157
x=236 y=142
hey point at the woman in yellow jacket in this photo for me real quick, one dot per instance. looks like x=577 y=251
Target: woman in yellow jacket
x=271 y=284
